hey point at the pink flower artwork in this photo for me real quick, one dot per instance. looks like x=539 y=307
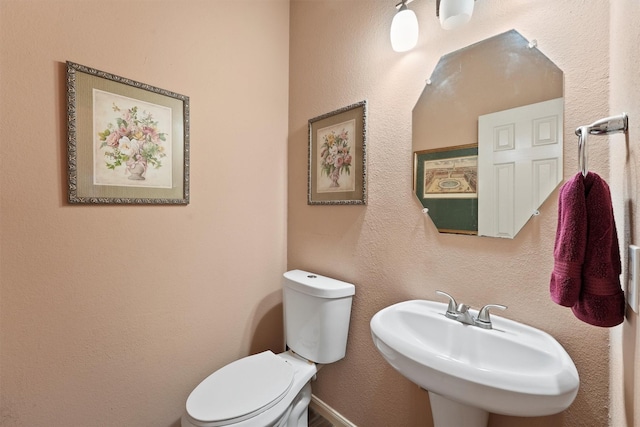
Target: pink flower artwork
x=335 y=158
x=132 y=142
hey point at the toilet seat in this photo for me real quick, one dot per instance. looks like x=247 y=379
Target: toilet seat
x=241 y=390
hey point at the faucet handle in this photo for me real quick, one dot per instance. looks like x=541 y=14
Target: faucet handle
x=484 y=320
x=453 y=305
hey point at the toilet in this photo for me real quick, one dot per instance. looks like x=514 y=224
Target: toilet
x=267 y=389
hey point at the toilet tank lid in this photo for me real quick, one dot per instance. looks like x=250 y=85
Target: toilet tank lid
x=316 y=285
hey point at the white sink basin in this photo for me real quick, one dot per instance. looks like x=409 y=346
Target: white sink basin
x=512 y=369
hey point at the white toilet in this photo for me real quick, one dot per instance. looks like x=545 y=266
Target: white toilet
x=265 y=389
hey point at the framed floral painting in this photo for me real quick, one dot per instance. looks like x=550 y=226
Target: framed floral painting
x=128 y=142
x=337 y=157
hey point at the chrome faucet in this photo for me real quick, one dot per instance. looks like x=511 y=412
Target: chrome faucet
x=460 y=312
x=464 y=316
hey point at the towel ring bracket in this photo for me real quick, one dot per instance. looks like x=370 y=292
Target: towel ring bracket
x=606 y=126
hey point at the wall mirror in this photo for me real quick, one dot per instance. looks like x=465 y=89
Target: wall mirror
x=487 y=137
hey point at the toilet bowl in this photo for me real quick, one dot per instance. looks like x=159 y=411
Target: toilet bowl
x=274 y=390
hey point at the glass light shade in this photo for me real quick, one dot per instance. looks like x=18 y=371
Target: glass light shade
x=404 y=30
x=455 y=13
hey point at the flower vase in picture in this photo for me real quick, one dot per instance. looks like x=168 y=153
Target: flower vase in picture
x=335 y=176
x=136 y=171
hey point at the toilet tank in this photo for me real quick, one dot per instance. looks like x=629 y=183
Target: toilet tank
x=317 y=311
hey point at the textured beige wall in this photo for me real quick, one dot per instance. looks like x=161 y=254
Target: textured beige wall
x=110 y=315
x=625 y=181
x=340 y=54
x=87 y=339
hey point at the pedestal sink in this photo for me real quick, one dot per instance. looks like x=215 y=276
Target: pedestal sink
x=512 y=369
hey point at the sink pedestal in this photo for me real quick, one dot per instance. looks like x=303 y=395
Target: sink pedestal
x=448 y=413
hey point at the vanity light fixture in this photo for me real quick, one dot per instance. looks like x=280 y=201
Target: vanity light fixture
x=454 y=13
x=404 y=28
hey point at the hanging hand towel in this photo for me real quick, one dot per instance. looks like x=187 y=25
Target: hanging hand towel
x=586 y=271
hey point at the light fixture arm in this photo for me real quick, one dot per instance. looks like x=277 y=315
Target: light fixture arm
x=403 y=4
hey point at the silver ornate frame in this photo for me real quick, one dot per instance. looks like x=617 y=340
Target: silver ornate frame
x=72 y=144
x=358 y=197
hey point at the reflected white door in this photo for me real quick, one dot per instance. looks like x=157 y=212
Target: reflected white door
x=519 y=165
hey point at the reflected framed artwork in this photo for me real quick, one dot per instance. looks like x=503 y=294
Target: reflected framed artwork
x=128 y=142
x=446 y=183
x=337 y=166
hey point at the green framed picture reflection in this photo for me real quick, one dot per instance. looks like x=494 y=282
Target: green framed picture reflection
x=128 y=142
x=446 y=183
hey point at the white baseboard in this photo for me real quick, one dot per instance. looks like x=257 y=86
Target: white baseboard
x=329 y=413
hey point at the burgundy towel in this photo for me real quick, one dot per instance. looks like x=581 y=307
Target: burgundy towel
x=586 y=271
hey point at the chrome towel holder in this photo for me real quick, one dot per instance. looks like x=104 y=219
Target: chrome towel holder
x=606 y=126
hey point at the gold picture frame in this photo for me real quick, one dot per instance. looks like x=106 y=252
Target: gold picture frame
x=337 y=163
x=128 y=142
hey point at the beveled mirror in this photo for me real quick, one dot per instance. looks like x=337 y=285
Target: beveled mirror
x=487 y=137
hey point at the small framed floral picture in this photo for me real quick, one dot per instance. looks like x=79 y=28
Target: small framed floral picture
x=337 y=157
x=128 y=142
